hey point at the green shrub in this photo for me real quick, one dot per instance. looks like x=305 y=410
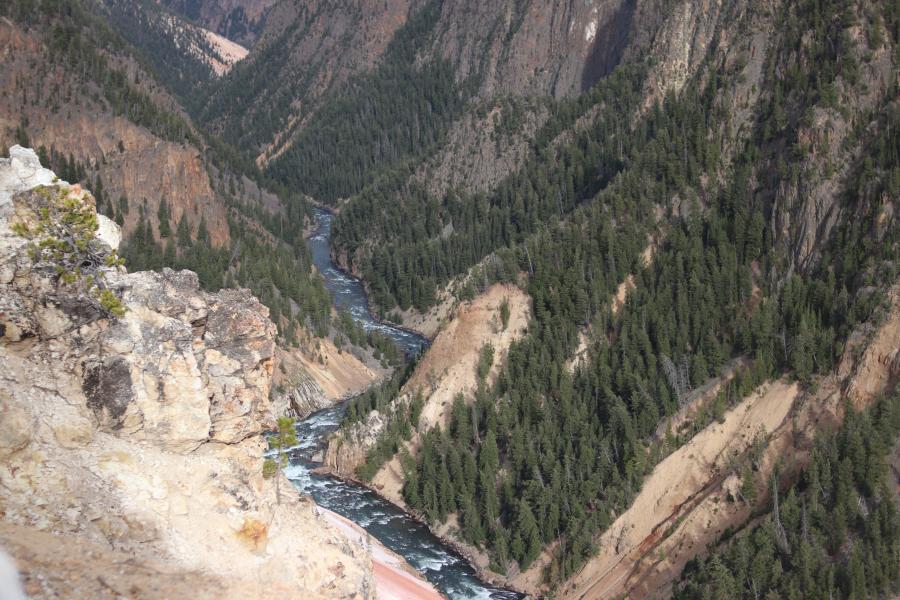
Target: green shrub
x=62 y=232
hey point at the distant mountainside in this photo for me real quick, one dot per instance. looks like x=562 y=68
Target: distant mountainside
x=408 y=66
x=238 y=20
x=182 y=54
x=87 y=97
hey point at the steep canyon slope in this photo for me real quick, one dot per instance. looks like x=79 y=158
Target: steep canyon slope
x=238 y=20
x=693 y=205
x=753 y=148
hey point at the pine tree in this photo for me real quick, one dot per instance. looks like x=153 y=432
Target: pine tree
x=489 y=455
x=284 y=438
x=531 y=536
x=203 y=233
x=183 y=233
x=162 y=215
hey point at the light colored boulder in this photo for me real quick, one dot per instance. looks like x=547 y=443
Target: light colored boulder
x=109 y=232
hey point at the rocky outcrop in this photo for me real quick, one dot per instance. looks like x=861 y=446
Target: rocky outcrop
x=811 y=204
x=318 y=375
x=141 y=434
x=349 y=448
x=537 y=47
x=301 y=396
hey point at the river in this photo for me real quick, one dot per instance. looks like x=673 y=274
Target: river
x=448 y=571
x=348 y=293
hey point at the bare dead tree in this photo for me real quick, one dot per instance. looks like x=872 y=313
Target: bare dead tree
x=684 y=376
x=672 y=376
x=675 y=379
x=474 y=413
x=780 y=534
x=619 y=539
x=754 y=589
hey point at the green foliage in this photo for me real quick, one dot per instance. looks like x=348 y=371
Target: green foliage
x=284 y=438
x=485 y=361
x=62 y=232
x=379 y=397
x=281 y=441
x=575 y=447
x=385 y=349
x=841 y=522
x=504 y=313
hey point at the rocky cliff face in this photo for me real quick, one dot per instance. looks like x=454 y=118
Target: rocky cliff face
x=538 y=47
x=301 y=396
x=317 y=375
x=142 y=434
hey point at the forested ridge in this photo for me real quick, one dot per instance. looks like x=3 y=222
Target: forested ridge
x=411 y=257
x=835 y=532
x=407 y=243
x=545 y=455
